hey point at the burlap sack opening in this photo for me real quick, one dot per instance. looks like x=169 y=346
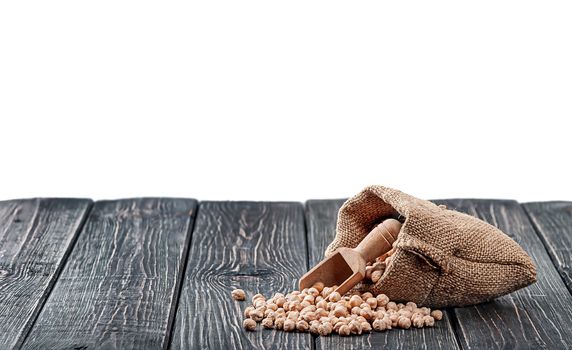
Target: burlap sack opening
x=442 y=258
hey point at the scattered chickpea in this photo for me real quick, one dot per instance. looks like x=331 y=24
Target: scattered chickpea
x=418 y=322
x=378 y=324
x=376 y=276
x=319 y=286
x=258 y=296
x=289 y=325
x=382 y=300
x=248 y=310
x=355 y=327
x=302 y=326
x=322 y=304
x=268 y=323
x=257 y=315
x=365 y=327
x=403 y=322
x=327 y=291
x=405 y=313
x=355 y=300
x=325 y=329
x=429 y=321
x=320 y=310
x=366 y=295
x=280 y=301
x=279 y=322
x=437 y=315
x=238 y=294
x=249 y=324
x=371 y=301
x=314 y=325
x=335 y=297
x=344 y=330
x=340 y=311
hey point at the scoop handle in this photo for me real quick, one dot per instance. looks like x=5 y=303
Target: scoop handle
x=379 y=241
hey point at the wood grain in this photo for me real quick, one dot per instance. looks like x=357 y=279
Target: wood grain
x=36 y=236
x=321 y=218
x=535 y=317
x=119 y=285
x=553 y=222
x=259 y=247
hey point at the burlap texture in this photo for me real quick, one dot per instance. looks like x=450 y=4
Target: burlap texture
x=442 y=258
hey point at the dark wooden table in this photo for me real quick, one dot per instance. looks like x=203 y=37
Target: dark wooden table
x=152 y=273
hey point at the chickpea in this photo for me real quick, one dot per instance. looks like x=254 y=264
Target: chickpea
x=378 y=324
x=355 y=327
x=365 y=327
x=279 y=322
x=324 y=329
x=366 y=295
x=295 y=297
x=258 y=296
x=327 y=291
x=405 y=313
x=293 y=315
x=344 y=330
x=323 y=304
x=248 y=310
x=314 y=325
x=428 y=321
x=249 y=324
x=372 y=302
x=340 y=311
x=382 y=300
x=437 y=315
x=404 y=322
x=335 y=297
x=321 y=312
x=355 y=300
x=376 y=276
x=238 y=294
x=319 y=286
x=289 y=325
x=257 y=315
x=418 y=322
x=302 y=326
x=268 y=323
x=367 y=314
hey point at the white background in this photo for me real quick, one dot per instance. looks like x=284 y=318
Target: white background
x=285 y=100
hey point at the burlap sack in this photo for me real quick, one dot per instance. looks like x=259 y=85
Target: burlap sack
x=442 y=258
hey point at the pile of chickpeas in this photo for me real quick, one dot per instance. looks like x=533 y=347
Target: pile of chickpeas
x=323 y=311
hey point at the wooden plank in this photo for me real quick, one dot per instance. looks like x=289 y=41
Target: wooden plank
x=553 y=223
x=36 y=236
x=259 y=247
x=119 y=286
x=538 y=316
x=321 y=218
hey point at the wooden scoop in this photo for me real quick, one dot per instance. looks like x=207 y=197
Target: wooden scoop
x=346 y=267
